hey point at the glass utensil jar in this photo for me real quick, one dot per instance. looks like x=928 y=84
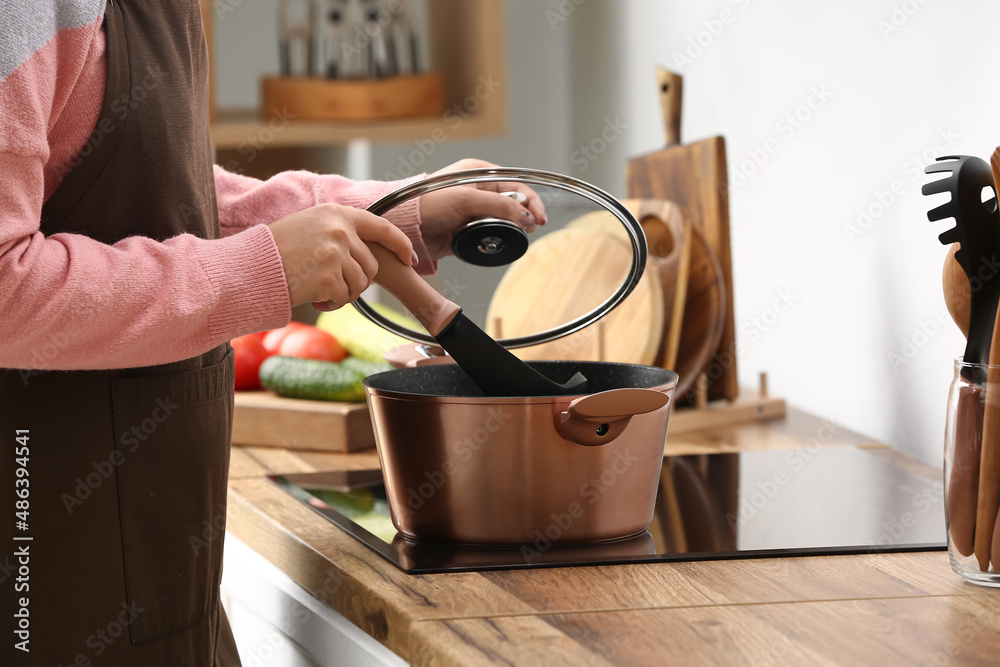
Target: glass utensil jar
x=962 y=454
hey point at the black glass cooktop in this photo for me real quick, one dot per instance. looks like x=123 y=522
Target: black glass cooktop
x=838 y=500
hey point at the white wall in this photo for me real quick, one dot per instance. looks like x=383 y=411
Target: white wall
x=896 y=98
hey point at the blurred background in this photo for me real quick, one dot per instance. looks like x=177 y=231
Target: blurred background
x=830 y=112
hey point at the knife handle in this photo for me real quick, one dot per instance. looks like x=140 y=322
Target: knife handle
x=671 y=92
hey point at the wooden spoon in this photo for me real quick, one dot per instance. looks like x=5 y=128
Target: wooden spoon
x=957 y=293
x=963 y=480
x=989 y=466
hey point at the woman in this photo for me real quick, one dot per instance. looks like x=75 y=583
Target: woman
x=127 y=261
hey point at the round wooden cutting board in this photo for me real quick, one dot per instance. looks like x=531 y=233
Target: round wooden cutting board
x=566 y=274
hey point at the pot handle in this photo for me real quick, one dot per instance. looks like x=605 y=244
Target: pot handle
x=599 y=418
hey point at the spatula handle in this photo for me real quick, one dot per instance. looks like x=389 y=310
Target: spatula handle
x=989 y=466
x=425 y=303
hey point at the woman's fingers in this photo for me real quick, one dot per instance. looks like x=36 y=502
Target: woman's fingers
x=374 y=229
x=324 y=256
x=355 y=278
x=485 y=203
x=534 y=202
x=326 y=306
x=365 y=259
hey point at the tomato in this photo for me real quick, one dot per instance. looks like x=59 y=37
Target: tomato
x=312 y=343
x=259 y=336
x=273 y=338
x=249 y=354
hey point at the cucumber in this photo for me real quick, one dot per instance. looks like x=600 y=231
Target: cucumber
x=362 y=337
x=308 y=378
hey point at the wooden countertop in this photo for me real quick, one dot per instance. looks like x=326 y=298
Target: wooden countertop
x=873 y=609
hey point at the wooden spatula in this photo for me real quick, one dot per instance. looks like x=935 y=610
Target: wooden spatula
x=989 y=466
x=695 y=177
x=963 y=480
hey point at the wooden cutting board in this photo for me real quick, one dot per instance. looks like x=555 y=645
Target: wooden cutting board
x=264 y=419
x=566 y=274
x=694 y=176
x=667 y=238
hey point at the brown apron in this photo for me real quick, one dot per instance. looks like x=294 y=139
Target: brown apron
x=127 y=497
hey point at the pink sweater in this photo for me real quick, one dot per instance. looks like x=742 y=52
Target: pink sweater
x=68 y=302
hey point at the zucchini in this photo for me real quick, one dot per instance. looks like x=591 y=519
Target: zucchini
x=362 y=337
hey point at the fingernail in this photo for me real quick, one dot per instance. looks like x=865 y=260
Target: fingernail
x=530 y=219
x=545 y=219
x=415 y=260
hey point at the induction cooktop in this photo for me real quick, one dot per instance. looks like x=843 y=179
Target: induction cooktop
x=805 y=502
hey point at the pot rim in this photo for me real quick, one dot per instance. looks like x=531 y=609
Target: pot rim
x=395 y=394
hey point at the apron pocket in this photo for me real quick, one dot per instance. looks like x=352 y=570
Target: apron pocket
x=172 y=438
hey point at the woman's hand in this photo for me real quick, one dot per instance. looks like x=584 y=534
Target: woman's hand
x=444 y=211
x=324 y=255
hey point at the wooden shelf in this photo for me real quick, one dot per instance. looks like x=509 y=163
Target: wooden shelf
x=467 y=46
x=235 y=128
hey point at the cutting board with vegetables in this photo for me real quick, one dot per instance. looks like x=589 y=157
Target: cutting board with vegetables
x=301 y=366
x=693 y=175
x=566 y=274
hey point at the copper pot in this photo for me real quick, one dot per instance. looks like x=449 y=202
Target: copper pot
x=461 y=467
x=532 y=469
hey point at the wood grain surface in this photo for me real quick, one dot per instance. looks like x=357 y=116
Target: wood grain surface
x=694 y=288
x=748 y=407
x=669 y=254
x=948 y=630
x=695 y=177
x=386 y=603
x=261 y=418
x=564 y=275
x=871 y=609
x=705 y=312
x=316 y=99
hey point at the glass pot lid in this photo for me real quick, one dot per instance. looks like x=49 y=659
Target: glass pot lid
x=534 y=177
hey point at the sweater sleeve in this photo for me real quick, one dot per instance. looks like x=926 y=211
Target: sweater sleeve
x=244 y=202
x=68 y=302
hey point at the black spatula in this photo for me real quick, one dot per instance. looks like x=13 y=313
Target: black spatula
x=490 y=365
